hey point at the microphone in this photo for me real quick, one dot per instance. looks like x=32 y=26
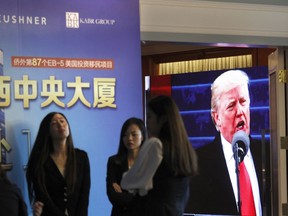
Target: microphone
x=240 y=145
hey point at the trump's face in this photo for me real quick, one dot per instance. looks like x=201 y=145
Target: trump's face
x=233 y=112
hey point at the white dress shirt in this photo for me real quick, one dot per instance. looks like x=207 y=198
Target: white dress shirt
x=248 y=160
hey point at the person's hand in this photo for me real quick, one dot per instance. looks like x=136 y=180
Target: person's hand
x=117 y=187
x=38 y=208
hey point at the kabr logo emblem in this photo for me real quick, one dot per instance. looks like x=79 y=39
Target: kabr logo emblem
x=72 y=20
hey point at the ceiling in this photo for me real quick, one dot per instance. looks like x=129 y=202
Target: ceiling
x=156 y=48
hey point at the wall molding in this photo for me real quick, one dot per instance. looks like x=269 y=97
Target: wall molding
x=236 y=20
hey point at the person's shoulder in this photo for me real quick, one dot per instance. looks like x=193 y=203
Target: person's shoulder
x=206 y=147
x=114 y=157
x=152 y=144
x=153 y=141
x=210 y=148
x=116 y=160
x=16 y=189
x=80 y=153
x=7 y=186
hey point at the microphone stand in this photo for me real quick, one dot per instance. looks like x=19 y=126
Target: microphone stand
x=237 y=161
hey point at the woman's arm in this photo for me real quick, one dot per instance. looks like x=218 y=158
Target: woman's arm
x=116 y=195
x=140 y=177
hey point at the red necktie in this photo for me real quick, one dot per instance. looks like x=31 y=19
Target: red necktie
x=246 y=195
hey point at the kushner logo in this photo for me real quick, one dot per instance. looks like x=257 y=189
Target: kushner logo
x=72 y=20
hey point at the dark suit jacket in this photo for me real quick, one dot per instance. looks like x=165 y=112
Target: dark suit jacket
x=211 y=191
x=77 y=202
x=121 y=202
x=11 y=200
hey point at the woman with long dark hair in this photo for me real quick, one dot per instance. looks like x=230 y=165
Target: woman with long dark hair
x=58 y=175
x=168 y=193
x=132 y=136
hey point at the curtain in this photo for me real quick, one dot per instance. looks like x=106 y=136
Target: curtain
x=210 y=64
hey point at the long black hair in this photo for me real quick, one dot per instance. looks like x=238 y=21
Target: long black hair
x=41 y=150
x=177 y=148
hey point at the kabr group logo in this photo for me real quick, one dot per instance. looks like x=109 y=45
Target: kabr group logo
x=72 y=20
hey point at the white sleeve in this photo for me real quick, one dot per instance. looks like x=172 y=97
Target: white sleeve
x=140 y=177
